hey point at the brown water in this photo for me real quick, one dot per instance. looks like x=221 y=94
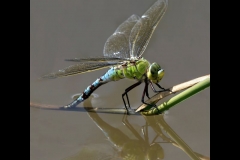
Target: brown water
x=69 y=29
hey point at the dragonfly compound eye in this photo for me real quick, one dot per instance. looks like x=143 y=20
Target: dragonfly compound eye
x=160 y=74
x=154 y=68
x=155 y=73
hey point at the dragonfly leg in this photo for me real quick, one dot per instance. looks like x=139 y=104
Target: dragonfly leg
x=144 y=92
x=146 y=88
x=154 y=90
x=126 y=91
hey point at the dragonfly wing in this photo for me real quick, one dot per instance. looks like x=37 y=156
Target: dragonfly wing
x=144 y=28
x=78 y=69
x=96 y=59
x=117 y=45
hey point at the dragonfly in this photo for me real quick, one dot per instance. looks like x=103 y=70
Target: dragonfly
x=123 y=52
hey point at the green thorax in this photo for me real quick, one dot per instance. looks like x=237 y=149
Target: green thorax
x=131 y=70
x=136 y=70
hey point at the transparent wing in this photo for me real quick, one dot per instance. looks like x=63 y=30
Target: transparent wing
x=117 y=45
x=78 y=69
x=96 y=59
x=144 y=28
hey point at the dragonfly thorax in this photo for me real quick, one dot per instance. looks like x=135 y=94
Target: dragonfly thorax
x=155 y=73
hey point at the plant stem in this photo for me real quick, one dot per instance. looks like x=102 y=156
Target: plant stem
x=179 y=98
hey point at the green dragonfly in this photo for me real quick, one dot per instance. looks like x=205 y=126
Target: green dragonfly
x=123 y=52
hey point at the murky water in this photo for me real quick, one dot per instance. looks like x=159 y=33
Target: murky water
x=69 y=29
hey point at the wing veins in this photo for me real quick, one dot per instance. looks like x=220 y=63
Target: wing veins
x=78 y=69
x=97 y=59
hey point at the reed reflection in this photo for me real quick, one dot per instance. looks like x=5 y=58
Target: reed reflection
x=140 y=147
x=124 y=145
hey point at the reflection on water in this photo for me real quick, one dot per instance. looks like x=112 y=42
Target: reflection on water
x=133 y=145
x=140 y=147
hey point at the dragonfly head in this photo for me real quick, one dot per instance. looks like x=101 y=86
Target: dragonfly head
x=155 y=73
